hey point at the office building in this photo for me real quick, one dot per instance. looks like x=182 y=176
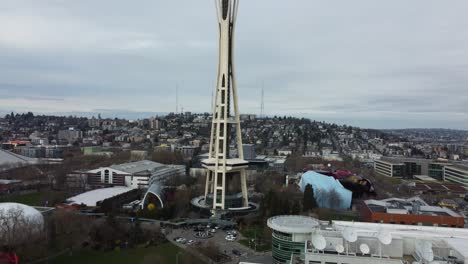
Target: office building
x=436 y=170
x=389 y=168
x=154 y=123
x=401 y=167
x=188 y=152
x=133 y=174
x=249 y=151
x=457 y=174
x=70 y=136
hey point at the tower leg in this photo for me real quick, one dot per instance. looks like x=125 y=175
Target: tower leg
x=209 y=183
x=245 y=197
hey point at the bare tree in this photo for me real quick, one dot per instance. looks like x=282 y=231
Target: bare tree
x=69 y=229
x=16 y=228
x=24 y=234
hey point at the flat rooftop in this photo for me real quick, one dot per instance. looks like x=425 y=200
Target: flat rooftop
x=292 y=223
x=92 y=198
x=412 y=206
x=439 y=187
x=457 y=238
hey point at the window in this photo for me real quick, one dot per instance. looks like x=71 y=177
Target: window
x=106 y=176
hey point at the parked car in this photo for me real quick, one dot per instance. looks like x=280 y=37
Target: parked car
x=181 y=240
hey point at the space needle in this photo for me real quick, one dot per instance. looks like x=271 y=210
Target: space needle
x=226 y=186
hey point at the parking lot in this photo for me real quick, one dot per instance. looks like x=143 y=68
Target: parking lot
x=230 y=247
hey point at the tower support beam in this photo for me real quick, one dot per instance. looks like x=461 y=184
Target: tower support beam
x=221 y=165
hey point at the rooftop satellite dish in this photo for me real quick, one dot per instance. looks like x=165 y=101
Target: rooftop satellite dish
x=424 y=250
x=339 y=248
x=385 y=237
x=364 y=249
x=319 y=242
x=350 y=234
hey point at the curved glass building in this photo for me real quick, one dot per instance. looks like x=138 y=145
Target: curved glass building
x=289 y=234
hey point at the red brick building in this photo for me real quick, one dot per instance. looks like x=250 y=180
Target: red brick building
x=413 y=211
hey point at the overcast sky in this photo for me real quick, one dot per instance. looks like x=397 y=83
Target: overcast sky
x=382 y=64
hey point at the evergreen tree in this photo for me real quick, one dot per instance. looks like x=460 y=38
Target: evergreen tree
x=296 y=208
x=309 y=202
x=286 y=207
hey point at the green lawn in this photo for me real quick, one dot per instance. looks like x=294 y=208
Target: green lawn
x=165 y=253
x=259 y=248
x=37 y=198
x=258 y=233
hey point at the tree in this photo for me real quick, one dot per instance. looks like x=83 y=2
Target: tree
x=68 y=229
x=167 y=157
x=334 y=199
x=22 y=234
x=296 y=207
x=136 y=233
x=309 y=201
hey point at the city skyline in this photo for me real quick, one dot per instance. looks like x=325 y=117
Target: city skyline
x=379 y=65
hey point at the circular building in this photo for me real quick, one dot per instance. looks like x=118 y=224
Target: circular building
x=289 y=234
x=26 y=213
x=19 y=222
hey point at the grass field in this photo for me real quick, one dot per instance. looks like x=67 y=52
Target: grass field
x=259 y=248
x=263 y=240
x=36 y=198
x=165 y=253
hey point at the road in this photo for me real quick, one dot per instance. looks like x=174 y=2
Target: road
x=219 y=240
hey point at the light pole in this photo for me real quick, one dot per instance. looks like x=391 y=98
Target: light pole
x=177 y=257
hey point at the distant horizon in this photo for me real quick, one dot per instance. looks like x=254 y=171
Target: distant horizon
x=134 y=115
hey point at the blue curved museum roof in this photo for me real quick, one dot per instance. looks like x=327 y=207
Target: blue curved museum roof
x=322 y=186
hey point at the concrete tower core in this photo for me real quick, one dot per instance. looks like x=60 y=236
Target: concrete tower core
x=226 y=186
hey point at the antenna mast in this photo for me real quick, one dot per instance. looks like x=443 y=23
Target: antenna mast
x=262 y=103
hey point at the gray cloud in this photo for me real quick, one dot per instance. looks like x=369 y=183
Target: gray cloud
x=368 y=63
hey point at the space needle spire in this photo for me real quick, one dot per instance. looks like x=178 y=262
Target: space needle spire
x=226 y=186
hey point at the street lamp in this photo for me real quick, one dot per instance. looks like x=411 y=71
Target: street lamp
x=177 y=257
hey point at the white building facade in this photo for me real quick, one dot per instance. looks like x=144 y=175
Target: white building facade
x=357 y=243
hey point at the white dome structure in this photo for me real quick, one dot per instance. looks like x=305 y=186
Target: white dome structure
x=28 y=213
